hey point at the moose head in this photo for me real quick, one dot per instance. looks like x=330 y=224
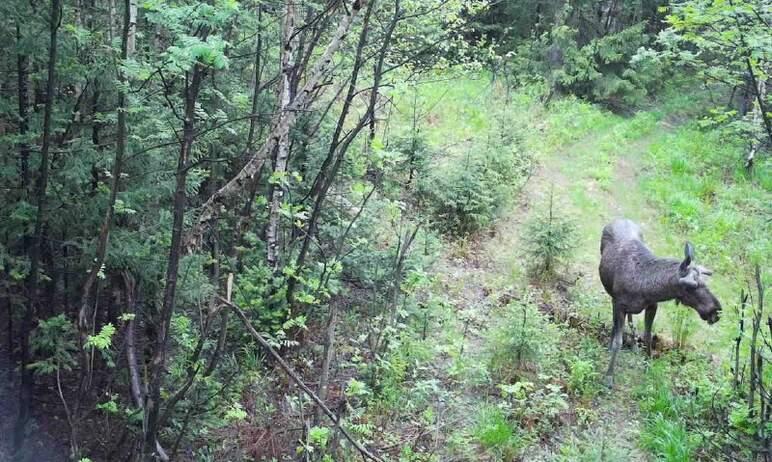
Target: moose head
x=693 y=290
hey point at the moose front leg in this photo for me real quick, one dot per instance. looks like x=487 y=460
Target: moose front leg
x=616 y=342
x=651 y=311
x=632 y=331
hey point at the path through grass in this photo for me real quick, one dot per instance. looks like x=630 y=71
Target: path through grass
x=598 y=166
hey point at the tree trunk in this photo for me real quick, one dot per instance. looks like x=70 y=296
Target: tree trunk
x=329 y=354
x=289 y=42
x=328 y=172
x=22 y=69
x=215 y=204
x=158 y=364
x=84 y=315
x=40 y=219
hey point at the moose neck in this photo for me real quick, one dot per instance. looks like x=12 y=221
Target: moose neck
x=659 y=281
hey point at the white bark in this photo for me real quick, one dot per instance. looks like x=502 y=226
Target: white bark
x=289 y=43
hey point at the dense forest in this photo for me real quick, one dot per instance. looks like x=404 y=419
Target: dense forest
x=333 y=230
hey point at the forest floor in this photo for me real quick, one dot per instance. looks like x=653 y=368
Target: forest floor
x=40 y=445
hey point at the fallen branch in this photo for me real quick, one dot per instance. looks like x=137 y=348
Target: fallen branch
x=365 y=453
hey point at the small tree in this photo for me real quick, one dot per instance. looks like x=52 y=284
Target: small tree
x=549 y=241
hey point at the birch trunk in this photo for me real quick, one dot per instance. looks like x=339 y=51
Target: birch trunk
x=289 y=42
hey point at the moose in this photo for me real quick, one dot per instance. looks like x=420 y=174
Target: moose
x=637 y=280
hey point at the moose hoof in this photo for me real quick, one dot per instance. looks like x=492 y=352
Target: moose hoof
x=609 y=381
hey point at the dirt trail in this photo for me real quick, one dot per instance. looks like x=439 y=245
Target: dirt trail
x=614 y=434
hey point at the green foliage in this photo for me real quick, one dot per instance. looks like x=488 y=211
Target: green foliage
x=257 y=290
x=463 y=200
x=612 y=68
x=683 y=325
x=729 y=43
x=536 y=407
x=595 y=447
x=694 y=177
x=664 y=432
x=110 y=406
x=465 y=194
x=583 y=377
x=319 y=436
x=54 y=340
x=103 y=339
x=604 y=69
x=494 y=432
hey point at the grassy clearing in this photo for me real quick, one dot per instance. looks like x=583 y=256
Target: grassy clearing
x=483 y=370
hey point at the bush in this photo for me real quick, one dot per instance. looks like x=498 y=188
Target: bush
x=494 y=432
x=464 y=195
x=583 y=378
x=462 y=200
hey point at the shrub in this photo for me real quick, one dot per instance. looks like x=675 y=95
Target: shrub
x=461 y=199
x=536 y=408
x=494 y=432
x=464 y=195
x=54 y=340
x=582 y=378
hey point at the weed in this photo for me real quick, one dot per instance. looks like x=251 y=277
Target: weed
x=583 y=378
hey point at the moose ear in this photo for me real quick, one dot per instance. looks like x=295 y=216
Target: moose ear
x=683 y=269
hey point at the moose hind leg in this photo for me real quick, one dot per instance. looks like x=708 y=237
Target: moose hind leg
x=616 y=343
x=613 y=328
x=651 y=311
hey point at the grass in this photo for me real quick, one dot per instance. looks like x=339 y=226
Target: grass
x=669 y=440
x=495 y=432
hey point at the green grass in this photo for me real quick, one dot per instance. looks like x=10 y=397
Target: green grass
x=669 y=440
x=496 y=434
x=450 y=111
